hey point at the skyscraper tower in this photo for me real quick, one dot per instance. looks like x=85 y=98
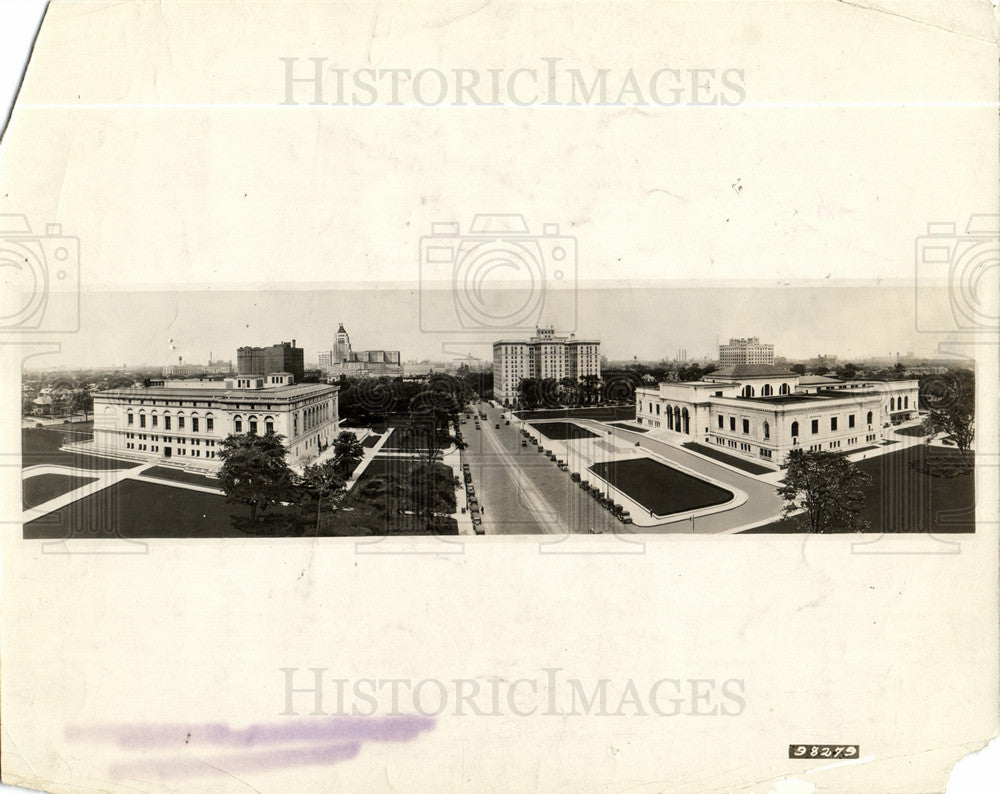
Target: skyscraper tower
x=342 y=346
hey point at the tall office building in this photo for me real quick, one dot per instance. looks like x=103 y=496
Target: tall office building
x=544 y=355
x=745 y=351
x=261 y=361
x=342 y=360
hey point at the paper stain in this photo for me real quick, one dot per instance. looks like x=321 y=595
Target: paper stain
x=177 y=750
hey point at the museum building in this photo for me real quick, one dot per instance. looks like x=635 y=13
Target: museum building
x=762 y=411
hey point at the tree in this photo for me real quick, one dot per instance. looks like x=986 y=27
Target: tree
x=847 y=371
x=590 y=386
x=347 y=452
x=798 y=369
x=951 y=404
x=254 y=471
x=323 y=482
x=569 y=392
x=83 y=401
x=529 y=393
x=828 y=487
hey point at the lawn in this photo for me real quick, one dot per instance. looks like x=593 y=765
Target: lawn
x=659 y=487
x=562 y=431
x=902 y=498
x=41 y=488
x=633 y=428
x=915 y=430
x=134 y=509
x=600 y=413
x=370 y=441
x=41 y=445
x=399 y=441
x=710 y=452
x=178 y=475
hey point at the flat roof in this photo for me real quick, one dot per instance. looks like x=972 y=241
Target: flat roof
x=289 y=392
x=803 y=399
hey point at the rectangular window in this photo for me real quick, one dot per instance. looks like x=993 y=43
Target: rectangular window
x=166 y=422
x=815 y=425
x=269 y=427
x=142 y=420
x=210 y=424
x=180 y=422
x=833 y=422
x=746 y=425
x=732 y=423
x=850 y=420
x=720 y=422
x=154 y=420
x=130 y=418
x=253 y=426
x=194 y=424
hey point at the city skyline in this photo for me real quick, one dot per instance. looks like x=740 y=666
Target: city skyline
x=158 y=328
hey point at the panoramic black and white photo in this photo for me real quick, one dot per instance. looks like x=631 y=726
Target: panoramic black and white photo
x=641 y=417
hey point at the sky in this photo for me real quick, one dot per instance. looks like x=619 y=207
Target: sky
x=650 y=322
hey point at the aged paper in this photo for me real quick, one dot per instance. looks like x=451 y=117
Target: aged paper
x=688 y=245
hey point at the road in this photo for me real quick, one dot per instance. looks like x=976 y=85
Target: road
x=522 y=491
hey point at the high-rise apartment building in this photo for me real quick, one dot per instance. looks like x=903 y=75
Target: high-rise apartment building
x=745 y=351
x=544 y=355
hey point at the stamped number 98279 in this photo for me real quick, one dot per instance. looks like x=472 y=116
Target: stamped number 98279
x=823 y=750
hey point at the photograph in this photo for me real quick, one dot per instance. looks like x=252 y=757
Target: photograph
x=647 y=422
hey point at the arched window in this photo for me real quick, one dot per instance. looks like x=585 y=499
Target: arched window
x=785 y=389
x=130 y=418
x=238 y=423
x=892 y=403
x=748 y=391
x=869 y=417
x=906 y=402
x=269 y=424
x=795 y=427
x=252 y=422
x=767 y=430
x=767 y=391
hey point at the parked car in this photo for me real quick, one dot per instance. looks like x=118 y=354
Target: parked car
x=524 y=443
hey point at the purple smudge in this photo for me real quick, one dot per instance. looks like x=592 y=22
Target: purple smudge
x=340 y=729
x=232 y=763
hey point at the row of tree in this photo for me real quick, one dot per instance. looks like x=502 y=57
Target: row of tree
x=366 y=401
